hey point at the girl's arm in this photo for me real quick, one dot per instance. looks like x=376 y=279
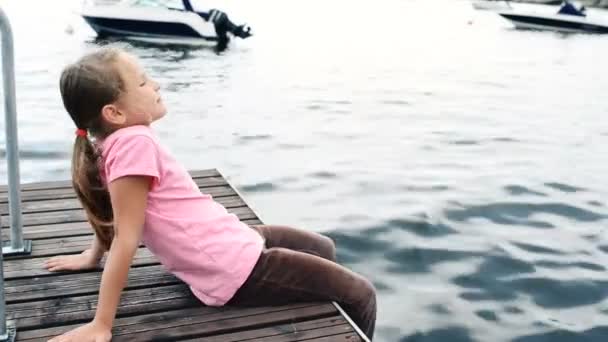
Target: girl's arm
x=129 y=197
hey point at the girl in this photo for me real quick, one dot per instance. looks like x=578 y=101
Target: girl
x=133 y=190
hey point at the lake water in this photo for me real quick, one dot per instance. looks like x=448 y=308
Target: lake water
x=459 y=163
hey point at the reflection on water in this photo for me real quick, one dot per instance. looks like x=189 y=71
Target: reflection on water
x=457 y=162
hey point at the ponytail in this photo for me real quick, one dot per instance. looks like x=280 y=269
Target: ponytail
x=86 y=87
x=91 y=191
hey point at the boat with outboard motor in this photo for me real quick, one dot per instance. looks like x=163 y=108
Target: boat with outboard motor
x=569 y=18
x=165 y=22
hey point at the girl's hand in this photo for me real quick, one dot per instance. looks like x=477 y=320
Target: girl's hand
x=92 y=332
x=83 y=261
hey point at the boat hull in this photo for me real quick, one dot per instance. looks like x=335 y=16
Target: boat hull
x=562 y=23
x=154 y=25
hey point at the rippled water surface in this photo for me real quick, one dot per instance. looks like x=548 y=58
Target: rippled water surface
x=459 y=164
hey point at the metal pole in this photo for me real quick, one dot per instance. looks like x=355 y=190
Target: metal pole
x=17 y=245
x=7 y=334
x=8 y=331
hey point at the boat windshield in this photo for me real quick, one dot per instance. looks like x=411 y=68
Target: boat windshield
x=158 y=3
x=569 y=9
x=139 y=3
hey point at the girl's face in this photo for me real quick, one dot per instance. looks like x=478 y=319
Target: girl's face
x=140 y=103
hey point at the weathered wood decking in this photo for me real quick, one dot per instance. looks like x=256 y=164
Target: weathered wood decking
x=155 y=306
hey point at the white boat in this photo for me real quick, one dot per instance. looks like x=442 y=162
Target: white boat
x=165 y=22
x=567 y=19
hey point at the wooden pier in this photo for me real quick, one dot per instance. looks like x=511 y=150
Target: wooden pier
x=155 y=306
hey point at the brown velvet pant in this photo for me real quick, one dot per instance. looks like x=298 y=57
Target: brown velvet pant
x=300 y=266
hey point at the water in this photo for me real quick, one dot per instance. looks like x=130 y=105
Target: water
x=458 y=163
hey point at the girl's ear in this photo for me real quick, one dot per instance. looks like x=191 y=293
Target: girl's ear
x=112 y=115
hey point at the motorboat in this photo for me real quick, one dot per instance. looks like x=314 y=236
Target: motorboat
x=165 y=22
x=568 y=18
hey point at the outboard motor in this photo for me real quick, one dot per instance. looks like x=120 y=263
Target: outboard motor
x=222 y=24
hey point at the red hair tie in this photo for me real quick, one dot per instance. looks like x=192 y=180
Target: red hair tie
x=81 y=132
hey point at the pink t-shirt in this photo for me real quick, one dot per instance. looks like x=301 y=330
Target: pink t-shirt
x=193 y=236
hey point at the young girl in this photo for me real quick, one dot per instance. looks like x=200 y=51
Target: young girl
x=133 y=190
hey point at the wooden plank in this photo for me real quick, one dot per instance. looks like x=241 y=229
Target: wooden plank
x=82 y=229
x=67 y=198
x=57 y=221
x=42 y=273
x=40 y=195
x=46 y=194
x=332 y=332
x=220 y=323
x=35 y=267
x=69 y=285
x=68 y=183
x=64 y=305
x=64 y=193
x=35 y=263
x=73 y=203
x=348 y=337
x=302 y=330
x=125 y=327
x=79 y=215
x=81 y=309
x=59 y=246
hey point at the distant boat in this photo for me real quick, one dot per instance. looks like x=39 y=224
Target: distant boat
x=165 y=22
x=567 y=19
x=487 y=5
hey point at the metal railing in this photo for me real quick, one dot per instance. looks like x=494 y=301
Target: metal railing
x=7 y=331
x=16 y=245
